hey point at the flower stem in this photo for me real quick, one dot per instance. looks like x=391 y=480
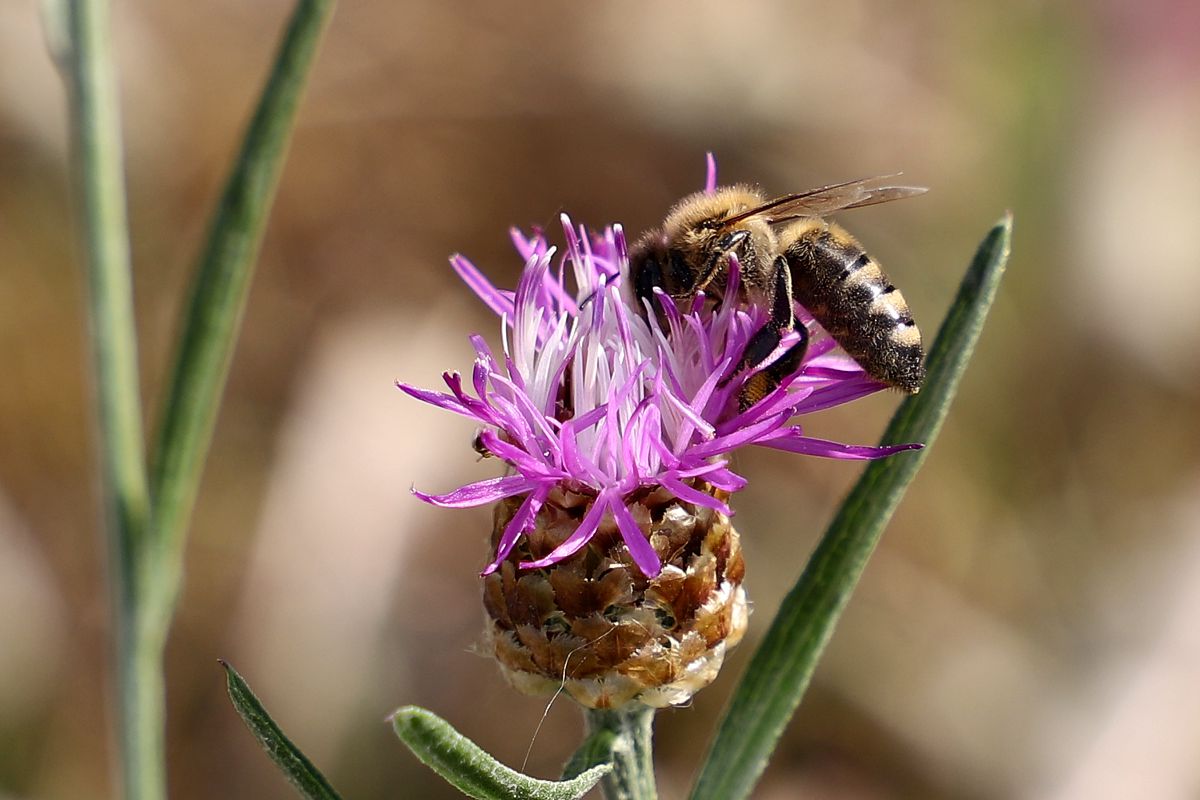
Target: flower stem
x=632 y=777
x=96 y=132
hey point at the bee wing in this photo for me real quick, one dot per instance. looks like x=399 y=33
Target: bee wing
x=828 y=199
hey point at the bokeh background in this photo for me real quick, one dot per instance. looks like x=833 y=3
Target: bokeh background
x=1030 y=625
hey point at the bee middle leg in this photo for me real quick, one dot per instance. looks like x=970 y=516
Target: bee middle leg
x=765 y=341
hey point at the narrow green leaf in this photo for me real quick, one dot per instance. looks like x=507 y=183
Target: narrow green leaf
x=298 y=769
x=474 y=772
x=218 y=297
x=782 y=666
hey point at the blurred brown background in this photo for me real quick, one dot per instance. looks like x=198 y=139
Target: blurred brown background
x=1030 y=626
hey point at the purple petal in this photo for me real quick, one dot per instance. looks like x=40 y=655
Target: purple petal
x=622 y=312
x=480 y=493
x=528 y=246
x=651 y=432
x=838 y=393
x=578 y=538
x=618 y=441
x=693 y=496
x=489 y=294
x=809 y=446
x=483 y=351
x=510 y=420
x=747 y=435
x=638 y=542
x=528 y=314
x=573 y=250
x=726 y=479
x=818 y=346
x=621 y=251
x=555 y=290
x=531 y=465
x=699 y=470
x=479 y=376
x=733 y=282
x=589 y=256
x=573 y=458
x=779 y=401
x=477 y=407
x=694 y=420
x=833 y=373
x=588 y=419
x=521 y=522
x=670 y=309
x=440 y=400
x=704 y=394
x=710 y=178
x=635 y=444
x=669 y=459
x=530 y=414
x=514 y=374
x=577 y=462
x=692 y=321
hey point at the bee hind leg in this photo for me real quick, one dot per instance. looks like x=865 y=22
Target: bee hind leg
x=766 y=340
x=768 y=380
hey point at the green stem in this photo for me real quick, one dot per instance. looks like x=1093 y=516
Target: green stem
x=632 y=777
x=96 y=131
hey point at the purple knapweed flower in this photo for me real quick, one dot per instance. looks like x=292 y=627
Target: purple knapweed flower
x=617 y=573
x=596 y=397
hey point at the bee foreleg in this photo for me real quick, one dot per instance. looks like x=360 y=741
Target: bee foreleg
x=725 y=245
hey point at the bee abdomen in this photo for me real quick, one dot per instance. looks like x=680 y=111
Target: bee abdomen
x=849 y=294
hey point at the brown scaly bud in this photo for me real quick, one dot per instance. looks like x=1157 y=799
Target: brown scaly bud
x=596 y=626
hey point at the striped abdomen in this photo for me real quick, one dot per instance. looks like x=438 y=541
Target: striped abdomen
x=847 y=292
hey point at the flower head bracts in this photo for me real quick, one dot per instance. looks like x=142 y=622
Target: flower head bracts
x=603 y=400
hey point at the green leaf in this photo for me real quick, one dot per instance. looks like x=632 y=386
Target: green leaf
x=782 y=666
x=298 y=769
x=474 y=772
x=218 y=297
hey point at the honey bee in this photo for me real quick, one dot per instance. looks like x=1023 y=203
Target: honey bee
x=786 y=252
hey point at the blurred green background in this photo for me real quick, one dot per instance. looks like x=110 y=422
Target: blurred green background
x=1030 y=626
